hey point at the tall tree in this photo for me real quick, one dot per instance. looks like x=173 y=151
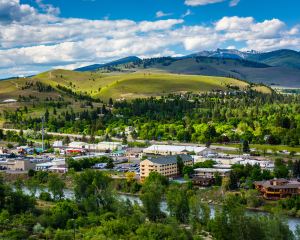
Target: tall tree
x=178 y=204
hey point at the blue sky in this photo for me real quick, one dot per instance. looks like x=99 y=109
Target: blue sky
x=138 y=10
x=37 y=35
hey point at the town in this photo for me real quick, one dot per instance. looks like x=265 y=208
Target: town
x=141 y=161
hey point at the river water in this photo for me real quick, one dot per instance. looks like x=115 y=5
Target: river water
x=69 y=194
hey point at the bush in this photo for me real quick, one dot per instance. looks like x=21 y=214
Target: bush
x=45 y=196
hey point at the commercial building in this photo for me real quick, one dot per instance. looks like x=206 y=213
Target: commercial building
x=176 y=150
x=269 y=165
x=209 y=173
x=101 y=146
x=17 y=165
x=165 y=165
x=276 y=189
x=56 y=165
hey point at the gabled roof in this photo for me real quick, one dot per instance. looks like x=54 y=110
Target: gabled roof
x=170 y=159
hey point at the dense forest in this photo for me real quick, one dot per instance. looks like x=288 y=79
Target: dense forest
x=232 y=116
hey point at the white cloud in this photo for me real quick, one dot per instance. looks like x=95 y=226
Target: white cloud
x=195 y=3
x=187 y=13
x=31 y=41
x=13 y=11
x=161 y=14
x=234 y=3
x=201 y=2
x=48 y=8
x=234 y=23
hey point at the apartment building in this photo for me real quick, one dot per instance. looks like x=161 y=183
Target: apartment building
x=165 y=165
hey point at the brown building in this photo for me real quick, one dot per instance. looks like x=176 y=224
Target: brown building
x=165 y=165
x=276 y=189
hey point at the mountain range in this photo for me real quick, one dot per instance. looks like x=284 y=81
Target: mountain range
x=281 y=67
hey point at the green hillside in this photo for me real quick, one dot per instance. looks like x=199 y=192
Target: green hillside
x=282 y=58
x=63 y=89
x=254 y=72
x=136 y=85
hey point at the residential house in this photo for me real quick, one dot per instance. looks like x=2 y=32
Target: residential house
x=276 y=189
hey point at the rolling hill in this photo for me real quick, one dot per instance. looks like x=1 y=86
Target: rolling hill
x=121 y=85
x=224 y=67
x=281 y=67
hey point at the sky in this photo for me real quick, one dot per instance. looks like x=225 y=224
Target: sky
x=38 y=35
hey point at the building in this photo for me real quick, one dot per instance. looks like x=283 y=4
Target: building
x=165 y=165
x=56 y=165
x=209 y=173
x=17 y=165
x=176 y=150
x=77 y=145
x=58 y=144
x=276 y=189
x=269 y=165
x=109 y=146
x=101 y=146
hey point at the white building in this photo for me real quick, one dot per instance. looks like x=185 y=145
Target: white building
x=263 y=164
x=58 y=144
x=210 y=172
x=101 y=146
x=56 y=165
x=175 y=150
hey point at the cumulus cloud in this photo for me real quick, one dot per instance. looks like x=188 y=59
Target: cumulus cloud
x=12 y=10
x=31 y=41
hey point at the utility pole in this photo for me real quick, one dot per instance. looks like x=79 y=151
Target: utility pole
x=43 y=132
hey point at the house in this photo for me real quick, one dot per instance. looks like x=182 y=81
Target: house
x=176 y=150
x=203 y=182
x=276 y=189
x=165 y=165
x=209 y=173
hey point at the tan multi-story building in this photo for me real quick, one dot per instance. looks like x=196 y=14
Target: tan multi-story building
x=165 y=165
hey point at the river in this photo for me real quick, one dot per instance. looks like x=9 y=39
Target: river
x=69 y=194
